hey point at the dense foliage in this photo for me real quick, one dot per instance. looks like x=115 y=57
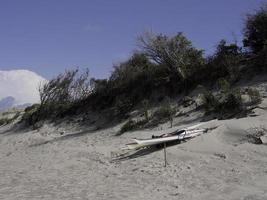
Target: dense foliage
x=164 y=66
x=255 y=37
x=225 y=63
x=176 y=53
x=255 y=32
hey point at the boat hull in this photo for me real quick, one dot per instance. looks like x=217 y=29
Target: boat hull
x=154 y=141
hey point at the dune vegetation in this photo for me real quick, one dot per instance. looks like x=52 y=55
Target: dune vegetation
x=162 y=69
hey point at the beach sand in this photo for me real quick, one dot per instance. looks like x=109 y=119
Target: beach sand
x=63 y=162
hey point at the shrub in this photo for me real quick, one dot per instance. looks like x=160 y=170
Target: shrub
x=224 y=103
x=165 y=112
x=255 y=38
x=129 y=125
x=145 y=104
x=130 y=82
x=187 y=101
x=16 y=116
x=225 y=63
x=132 y=125
x=68 y=87
x=254 y=95
x=59 y=95
x=224 y=85
x=176 y=53
x=209 y=101
x=232 y=102
x=32 y=108
x=4 y=121
x=122 y=106
x=30 y=114
x=260 y=60
x=255 y=31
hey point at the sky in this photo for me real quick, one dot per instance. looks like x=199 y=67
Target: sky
x=49 y=36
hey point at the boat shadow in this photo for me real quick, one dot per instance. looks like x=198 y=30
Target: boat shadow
x=144 y=151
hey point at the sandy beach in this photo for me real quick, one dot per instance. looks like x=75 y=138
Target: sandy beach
x=80 y=164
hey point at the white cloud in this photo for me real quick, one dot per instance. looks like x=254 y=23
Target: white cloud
x=20 y=84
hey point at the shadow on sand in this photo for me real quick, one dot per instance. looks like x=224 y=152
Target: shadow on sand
x=65 y=137
x=142 y=152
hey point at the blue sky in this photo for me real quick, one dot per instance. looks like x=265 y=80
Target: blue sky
x=48 y=36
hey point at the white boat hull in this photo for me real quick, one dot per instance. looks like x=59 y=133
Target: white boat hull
x=140 y=143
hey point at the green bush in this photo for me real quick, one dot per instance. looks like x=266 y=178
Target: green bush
x=209 y=101
x=255 y=38
x=30 y=115
x=225 y=63
x=176 y=53
x=165 y=112
x=254 y=95
x=145 y=104
x=59 y=95
x=232 y=102
x=16 y=116
x=32 y=108
x=4 y=121
x=224 y=103
x=224 y=85
x=129 y=125
x=132 y=125
x=123 y=106
x=255 y=31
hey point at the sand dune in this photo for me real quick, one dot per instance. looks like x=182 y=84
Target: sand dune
x=68 y=162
